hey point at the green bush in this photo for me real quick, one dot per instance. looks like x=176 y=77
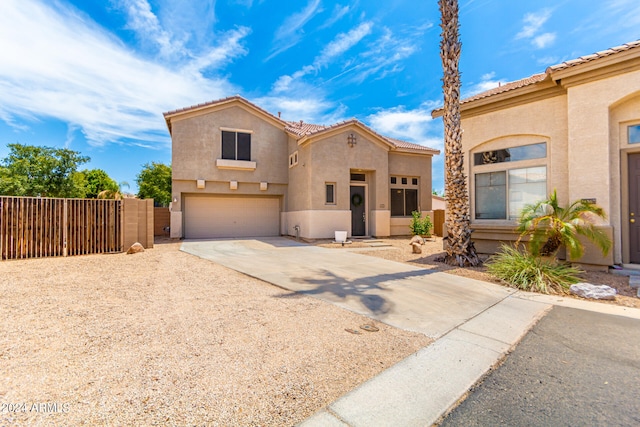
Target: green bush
x=531 y=273
x=420 y=226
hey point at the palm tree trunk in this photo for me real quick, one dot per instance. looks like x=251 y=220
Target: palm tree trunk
x=460 y=248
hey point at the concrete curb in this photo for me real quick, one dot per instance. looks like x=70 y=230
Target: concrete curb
x=422 y=388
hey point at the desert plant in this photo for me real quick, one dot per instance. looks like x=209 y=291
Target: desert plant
x=551 y=226
x=528 y=272
x=420 y=226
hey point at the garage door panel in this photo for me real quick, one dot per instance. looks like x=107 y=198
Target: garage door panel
x=209 y=217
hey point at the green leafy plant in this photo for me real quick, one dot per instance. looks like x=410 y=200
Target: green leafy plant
x=420 y=226
x=528 y=272
x=550 y=226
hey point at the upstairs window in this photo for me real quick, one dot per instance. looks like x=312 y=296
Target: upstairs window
x=236 y=145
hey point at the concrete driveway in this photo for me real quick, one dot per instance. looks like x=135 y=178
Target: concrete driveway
x=397 y=294
x=475 y=323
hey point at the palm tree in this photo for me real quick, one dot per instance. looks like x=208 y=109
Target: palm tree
x=460 y=248
x=114 y=194
x=551 y=226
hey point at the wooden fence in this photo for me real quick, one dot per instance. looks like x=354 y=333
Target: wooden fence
x=161 y=221
x=42 y=227
x=438 y=222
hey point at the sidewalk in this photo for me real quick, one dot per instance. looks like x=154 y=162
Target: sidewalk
x=474 y=323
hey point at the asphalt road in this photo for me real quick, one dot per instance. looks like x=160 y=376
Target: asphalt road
x=574 y=368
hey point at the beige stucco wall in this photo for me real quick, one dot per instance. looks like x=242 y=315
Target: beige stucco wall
x=621 y=115
x=403 y=164
x=585 y=129
x=316 y=224
x=196 y=145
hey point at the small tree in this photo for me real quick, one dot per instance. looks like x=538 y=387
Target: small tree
x=154 y=182
x=551 y=226
x=420 y=226
x=98 y=181
x=31 y=170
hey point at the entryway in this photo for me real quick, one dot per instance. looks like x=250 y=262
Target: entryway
x=358 y=210
x=634 y=208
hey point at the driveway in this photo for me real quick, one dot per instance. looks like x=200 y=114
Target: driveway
x=398 y=294
x=475 y=323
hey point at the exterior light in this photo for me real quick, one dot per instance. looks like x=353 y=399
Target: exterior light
x=351 y=140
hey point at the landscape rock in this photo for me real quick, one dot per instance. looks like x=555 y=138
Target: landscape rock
x=416 y=248
x=135 y=248
x=588 y=290
x=417 y=239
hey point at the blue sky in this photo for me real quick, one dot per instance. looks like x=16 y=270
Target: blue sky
x=96 y=75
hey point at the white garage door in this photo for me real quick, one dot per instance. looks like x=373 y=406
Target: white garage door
x=207 y=217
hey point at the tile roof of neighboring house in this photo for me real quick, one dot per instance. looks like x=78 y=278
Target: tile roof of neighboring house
x=594 y=56
x=302 y=129
x=537 y=78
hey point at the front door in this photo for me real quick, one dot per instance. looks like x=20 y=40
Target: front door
x=634 y=208
x=358 y=216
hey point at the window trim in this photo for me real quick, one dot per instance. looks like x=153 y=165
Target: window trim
x=293 y=159
x=505 y=220
x=236 y=132
x=333 y=195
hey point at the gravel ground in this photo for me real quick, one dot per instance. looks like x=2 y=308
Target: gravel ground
x=165 y=338
x=401 y=251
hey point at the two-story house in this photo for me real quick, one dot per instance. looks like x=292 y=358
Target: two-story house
x=239 y=171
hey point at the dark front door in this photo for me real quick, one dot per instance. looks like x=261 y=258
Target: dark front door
x=634 y=208
x=358 y=218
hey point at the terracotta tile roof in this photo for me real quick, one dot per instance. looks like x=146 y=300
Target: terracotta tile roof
x=410 y=146
x=537 y=78
x=222 y=101
x=594 y=56
x=301 y=129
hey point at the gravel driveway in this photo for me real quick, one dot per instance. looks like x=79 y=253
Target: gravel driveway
x=165 y=338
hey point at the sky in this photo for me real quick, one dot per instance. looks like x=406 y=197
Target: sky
x=95 y=76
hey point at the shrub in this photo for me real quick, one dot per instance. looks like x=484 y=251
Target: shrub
x=531 y=273
x=420 y=226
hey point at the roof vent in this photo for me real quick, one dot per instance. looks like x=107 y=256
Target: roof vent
x=279 y=114
x=300 y=122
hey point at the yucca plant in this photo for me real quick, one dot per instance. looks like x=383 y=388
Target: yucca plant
x=550 y=226
x=528 y=272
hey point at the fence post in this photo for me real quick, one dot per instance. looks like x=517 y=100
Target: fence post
x=65 y=217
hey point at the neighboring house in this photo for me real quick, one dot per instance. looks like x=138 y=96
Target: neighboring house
x=239 y=171
x=574 y=128
x=438 y=202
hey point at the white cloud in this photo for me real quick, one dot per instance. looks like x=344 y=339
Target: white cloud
x=57 y=63
x=142 y=20
x=415 y=125
x=544 y=40
x=339 y=45
x=338 y=13
x=487 y=81
x=289 y=33
x=532 y=23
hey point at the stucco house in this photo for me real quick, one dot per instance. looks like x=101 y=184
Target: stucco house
x=574 y=128
x=240 y=171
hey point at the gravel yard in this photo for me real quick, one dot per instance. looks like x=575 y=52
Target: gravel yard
x=401 y=251
x=165 y=338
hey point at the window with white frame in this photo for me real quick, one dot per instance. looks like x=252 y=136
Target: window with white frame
x=236 y=145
